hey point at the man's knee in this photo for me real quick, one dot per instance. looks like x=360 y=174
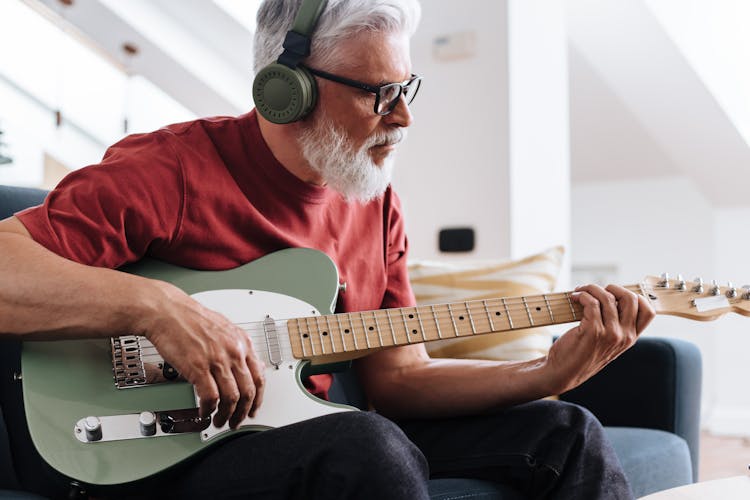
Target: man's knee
x=566 y=414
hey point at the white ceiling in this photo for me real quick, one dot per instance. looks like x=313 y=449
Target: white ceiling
x=627 y=74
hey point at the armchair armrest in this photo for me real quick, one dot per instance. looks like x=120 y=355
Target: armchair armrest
x=656 y=384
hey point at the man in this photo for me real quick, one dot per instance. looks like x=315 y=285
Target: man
x=216 y=193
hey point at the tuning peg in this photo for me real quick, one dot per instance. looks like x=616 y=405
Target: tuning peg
x=746 y=292
x=731 y=290
x=681 y=282
x=698 y=285
x=664 y=283
x=715 y=288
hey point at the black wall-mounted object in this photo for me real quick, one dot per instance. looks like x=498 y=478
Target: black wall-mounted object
x=456 y=239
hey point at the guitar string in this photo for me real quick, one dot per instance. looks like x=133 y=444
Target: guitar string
x=475 y=307
x=480 y=307
x=257 y=332
x=515 y=304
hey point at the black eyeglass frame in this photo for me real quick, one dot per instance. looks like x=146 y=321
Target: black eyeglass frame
x=377 y=90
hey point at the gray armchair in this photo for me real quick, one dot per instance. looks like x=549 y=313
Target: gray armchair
x=648 y=399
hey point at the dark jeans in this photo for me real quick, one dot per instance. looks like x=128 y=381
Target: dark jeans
x=544 y=449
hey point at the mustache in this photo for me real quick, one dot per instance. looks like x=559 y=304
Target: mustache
x=386 y=138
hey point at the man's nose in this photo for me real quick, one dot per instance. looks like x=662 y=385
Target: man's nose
x=401 y=114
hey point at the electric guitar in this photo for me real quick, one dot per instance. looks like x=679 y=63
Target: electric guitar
x=105 y=430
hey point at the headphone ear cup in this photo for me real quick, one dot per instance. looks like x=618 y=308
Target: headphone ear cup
x=283 y=94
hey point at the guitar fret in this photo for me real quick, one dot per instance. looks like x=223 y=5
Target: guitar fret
x=437 y=323
x=354 y=332
x=301 y=341
x=453 y=320
x=489 y=316
x=390 y=323
x=421 y=326
x=528 y=312
x=570 y=302
x=364 y=326
x=320 y=335
x=309 y=335
x=471 y=319
x=507 y=313
x=377 y=328
x=330 y=333
x=406 y=325
x=341 y=332
x=551 y=316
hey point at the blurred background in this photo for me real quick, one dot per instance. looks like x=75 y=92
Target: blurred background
x=617 y=128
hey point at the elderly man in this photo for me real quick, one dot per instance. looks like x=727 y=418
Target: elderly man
x=216 y=193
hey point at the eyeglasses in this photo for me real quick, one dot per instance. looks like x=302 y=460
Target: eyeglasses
x=386 y=96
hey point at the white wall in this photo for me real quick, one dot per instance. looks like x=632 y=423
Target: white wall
x=452 y=170
x=489 y=146
x=731 y=413
x=539 y=140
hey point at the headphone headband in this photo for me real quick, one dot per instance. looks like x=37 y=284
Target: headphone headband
x=284 y=91
x=297 y=42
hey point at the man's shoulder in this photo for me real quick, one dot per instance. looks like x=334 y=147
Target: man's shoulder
x=206 y=126
x=171 y=141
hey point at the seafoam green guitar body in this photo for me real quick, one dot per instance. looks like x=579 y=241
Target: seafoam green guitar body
x=66 y=381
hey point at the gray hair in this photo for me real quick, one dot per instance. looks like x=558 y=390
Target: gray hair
x=340 y=20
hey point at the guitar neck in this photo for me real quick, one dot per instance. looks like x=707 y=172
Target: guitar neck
x=350 y=335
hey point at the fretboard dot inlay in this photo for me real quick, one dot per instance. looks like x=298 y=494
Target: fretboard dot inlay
x=538 y=308
x=325 y=333
x=346 y=331
x=461 y=318
x=411 y=316
x=371 y=328
x=304 y=335
x=498 y=313
x=414 y=332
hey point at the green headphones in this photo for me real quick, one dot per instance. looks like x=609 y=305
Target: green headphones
x=284 y=91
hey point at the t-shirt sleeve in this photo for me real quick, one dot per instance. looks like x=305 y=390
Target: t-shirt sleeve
x=398 y=291
x=114 y=212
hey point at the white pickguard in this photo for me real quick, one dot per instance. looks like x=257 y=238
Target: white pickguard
x=285 y=399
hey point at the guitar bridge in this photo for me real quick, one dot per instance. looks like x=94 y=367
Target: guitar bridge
x=136 y=362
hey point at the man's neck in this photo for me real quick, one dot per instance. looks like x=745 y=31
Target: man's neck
x=282 y=141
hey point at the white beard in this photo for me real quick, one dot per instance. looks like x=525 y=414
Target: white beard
x=348 y=170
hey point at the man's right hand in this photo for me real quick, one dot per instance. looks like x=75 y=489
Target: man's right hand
x=212 y=353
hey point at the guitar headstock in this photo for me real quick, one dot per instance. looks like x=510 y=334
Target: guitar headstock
x=695 y=299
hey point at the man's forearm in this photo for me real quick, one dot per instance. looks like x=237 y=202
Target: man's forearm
x=46 y=296
x=452 y=387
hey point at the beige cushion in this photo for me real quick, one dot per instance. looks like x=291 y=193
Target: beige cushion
x=444 y=282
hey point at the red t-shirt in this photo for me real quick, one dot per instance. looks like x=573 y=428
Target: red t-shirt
x=210 y=195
